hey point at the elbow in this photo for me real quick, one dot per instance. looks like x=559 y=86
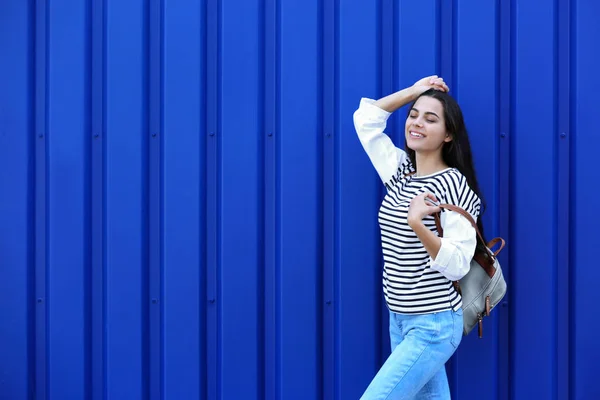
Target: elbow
x=460 y=272
x=357 y=119
x=360 y=126
x=454 y=272
x=461 y=265
x=451 y=262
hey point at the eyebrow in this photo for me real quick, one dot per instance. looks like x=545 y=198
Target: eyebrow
x=427 y=112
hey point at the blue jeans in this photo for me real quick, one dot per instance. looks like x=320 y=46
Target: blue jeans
x=421 y=345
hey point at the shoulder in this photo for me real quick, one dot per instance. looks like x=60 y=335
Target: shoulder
x=405 y=169
x=458 y=192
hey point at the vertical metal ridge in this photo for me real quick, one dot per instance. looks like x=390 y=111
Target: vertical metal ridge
x=155 y=242
x=573 y=88
x=320 y=303
x=336 y=200
x=41 y=204
x=387 y=56
x=88 y=274
x=563 y=281
x=388 y=83
x=453 y=11
x=97 y=202
x=330 y=371
x=145 y=256
x=277 y=192
x=213 y=79
x=396 y=127
x=203 y=211
x=510 y=41
x=31 y=201
x=261 y=277
x=446 y=62
x=271 y=204
x=504 y=40
x=446 y=68
x=336 y=205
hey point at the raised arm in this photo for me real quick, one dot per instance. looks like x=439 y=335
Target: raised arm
x=394 y=101
x=370 y=121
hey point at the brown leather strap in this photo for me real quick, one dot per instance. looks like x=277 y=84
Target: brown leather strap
x=487 y=263
x=438 y=224
x=493 y=242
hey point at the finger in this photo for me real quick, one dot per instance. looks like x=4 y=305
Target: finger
x=441 y=87
x=430 y=195
x=433 y=210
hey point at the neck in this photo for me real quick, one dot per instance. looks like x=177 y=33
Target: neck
x=429 y=163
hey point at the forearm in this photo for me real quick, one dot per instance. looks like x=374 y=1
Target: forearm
x=457 y=248
x=430 y=240
x=397 y=100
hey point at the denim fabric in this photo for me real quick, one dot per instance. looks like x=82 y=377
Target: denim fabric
x=421 y=345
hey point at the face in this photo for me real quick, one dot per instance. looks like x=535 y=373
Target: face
x=425 y=126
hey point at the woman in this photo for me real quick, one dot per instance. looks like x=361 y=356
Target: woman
x=426 y=319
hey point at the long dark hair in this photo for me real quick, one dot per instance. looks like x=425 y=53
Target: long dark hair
x=457 y=152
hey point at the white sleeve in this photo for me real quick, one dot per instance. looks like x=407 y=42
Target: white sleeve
x=370 y=122
x=458 y=246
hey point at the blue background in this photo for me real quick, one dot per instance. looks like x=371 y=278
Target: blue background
x=186 y=211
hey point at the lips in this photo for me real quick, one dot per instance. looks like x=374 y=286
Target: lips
x=416 y=135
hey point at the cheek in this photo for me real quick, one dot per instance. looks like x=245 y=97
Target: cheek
x=439 y=133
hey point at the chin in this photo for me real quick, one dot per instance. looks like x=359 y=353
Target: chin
x=413 y=145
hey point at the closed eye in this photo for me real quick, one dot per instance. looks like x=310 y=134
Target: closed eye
x=414 y=113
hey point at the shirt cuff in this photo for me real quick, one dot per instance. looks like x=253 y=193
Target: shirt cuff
x=444 y=256
x=368 y=106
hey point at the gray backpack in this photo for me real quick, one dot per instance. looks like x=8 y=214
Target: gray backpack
x=484 y=286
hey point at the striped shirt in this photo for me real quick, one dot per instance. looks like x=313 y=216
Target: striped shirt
x=413 y=282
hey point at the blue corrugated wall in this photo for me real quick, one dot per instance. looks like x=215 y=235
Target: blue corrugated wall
x=186 y=212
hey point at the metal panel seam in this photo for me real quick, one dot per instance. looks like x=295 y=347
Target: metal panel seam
x=511 y=173
x=336 y=204
x=572 y=126
x=320 y=251
x=446 y=42
x=270 y=165
x=97 y=202
x=213 y=80
x=446 y=67
x=31 y=200
x=388 y=83
x=41 y=204
x=504 y=74
x=330 y=54
x=562 y=35
x=203 y=209
x=155 y=300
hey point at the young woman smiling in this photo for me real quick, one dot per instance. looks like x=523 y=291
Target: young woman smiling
x=425 y=309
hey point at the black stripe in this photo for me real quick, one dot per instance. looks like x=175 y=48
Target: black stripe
x=406 y=272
